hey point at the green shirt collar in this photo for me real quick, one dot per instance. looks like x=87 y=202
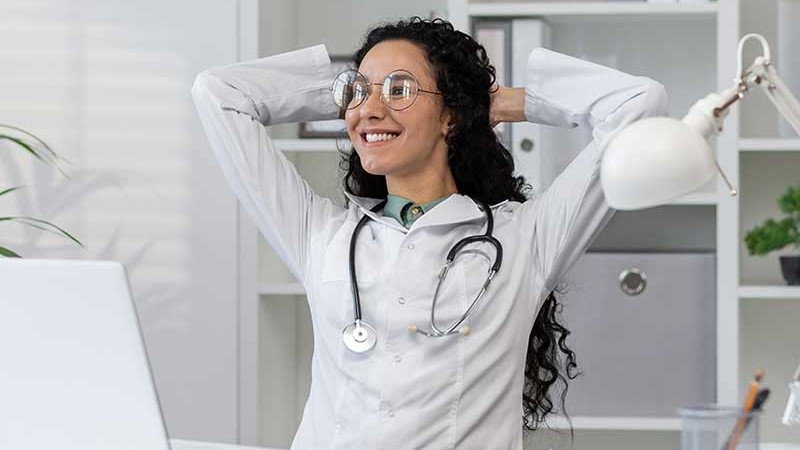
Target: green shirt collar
x=405 y=211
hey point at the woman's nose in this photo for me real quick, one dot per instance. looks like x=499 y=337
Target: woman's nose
x=373 y=106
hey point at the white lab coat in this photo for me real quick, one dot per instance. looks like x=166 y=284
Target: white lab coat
x=412 y=391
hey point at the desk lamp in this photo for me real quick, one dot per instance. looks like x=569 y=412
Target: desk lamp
x=658 y=159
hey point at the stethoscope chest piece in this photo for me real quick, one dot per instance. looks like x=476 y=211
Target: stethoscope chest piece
x=359 y=337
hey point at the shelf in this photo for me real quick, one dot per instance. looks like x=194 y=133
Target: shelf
x=590 y=9
x=307 y=145
x=769 y=145
x=696 y=198
x=615 y=423
x=281 y=289
x=770 y=292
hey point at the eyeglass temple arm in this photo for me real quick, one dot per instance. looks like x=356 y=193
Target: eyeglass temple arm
x=348 y=94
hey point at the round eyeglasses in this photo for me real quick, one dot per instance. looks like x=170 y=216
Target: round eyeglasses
x=399 y=89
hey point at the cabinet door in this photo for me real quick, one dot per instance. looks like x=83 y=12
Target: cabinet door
x=647 y=354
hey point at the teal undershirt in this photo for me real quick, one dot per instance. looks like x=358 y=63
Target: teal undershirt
x=405 y=211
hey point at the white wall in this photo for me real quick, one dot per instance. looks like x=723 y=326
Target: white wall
x=107 y=84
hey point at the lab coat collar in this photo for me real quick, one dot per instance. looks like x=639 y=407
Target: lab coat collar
x=455 y=209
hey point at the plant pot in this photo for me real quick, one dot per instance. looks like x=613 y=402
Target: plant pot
x=791 y=269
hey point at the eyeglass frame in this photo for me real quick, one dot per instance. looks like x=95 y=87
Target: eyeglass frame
x=343 y=109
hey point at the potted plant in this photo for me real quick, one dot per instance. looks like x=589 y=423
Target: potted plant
x=21 y=139
x=774 y=235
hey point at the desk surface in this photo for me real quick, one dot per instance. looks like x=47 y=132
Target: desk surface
x=180 y=444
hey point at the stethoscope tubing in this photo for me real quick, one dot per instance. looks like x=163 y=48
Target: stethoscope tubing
x=360 y=325
x=352 y=263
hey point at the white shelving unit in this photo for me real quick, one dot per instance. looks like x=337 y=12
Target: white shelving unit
x=279 y=350
x=578 y=17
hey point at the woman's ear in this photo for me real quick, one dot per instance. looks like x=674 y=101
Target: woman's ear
x=448 y=121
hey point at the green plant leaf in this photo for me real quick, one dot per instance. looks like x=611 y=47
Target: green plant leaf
x=24 y=145
x=770 y=236
x=8 y=253
x=790 y=200
x=9 y=190
x=46 y=155
x=38 y=140
x=41 y=225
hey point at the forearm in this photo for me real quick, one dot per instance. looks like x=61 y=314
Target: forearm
x=288 y=87
x=508 y=105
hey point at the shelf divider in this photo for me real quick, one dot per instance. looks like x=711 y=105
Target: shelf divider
x=616 y=423
x=288 y=288
x=306 y=145
x=482 y=9
x=769 y=292
x=769 y=145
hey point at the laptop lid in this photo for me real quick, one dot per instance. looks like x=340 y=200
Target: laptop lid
x=74 y=372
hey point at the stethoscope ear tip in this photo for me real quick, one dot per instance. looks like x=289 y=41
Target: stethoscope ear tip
x=464 y=331
x=412 y=329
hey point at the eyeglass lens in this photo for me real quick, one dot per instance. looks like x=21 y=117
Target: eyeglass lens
x=398 y=91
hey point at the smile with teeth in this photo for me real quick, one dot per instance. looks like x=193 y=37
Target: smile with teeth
x=375 y=137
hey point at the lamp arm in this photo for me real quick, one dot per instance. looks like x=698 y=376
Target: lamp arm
x=763 y=74
x=708 y=114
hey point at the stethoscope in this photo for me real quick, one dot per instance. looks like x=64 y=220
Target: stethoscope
x=360 y=336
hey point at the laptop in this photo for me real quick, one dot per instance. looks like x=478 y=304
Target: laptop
x=74 y=373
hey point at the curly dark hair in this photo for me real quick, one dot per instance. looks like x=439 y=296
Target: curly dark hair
x=484 y=170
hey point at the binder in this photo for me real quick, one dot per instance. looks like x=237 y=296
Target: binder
x=508 y=44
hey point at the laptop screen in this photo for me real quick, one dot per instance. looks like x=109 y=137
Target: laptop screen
x=74 y=371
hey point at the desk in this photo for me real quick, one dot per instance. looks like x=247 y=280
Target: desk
x=180 y=444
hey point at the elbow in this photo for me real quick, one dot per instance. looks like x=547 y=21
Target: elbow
x=201 y=84
x=656 y=99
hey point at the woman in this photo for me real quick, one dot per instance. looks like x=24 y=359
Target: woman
x=426 y=171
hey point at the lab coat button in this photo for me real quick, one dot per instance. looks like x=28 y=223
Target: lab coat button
x=397 y=358
x=401 y=300
x=390 y=413
x=410 y=246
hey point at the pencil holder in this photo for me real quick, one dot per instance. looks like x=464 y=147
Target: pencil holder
x=715 y=427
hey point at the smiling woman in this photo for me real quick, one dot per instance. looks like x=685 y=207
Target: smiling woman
x=431 y=191
x=445 y=145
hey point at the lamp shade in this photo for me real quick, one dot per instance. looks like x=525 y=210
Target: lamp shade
x=653 y=161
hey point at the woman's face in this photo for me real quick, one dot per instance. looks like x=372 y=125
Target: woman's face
x=420 y=129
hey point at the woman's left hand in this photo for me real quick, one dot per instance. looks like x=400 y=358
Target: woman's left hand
x=506 y=104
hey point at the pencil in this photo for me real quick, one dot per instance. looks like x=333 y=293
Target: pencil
x=759 y=402
x=749 y=401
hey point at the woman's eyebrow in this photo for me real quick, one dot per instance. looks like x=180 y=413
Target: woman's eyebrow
x=369 y=79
